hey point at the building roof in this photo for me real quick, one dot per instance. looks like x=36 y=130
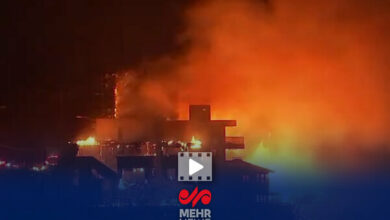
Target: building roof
x=240 y=165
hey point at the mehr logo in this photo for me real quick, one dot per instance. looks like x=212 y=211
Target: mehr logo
x=195 y=214
x=203 y=195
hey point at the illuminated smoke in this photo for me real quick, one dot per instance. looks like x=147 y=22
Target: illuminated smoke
x=306 y=80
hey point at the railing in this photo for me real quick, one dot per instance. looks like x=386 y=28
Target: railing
x=234 y=142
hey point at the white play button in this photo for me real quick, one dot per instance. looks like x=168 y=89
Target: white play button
x=194 y=166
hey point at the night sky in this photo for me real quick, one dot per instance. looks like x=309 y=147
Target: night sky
x=307 y=81
x=54 y=55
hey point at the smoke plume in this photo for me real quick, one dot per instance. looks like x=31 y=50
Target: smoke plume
x=306 y=80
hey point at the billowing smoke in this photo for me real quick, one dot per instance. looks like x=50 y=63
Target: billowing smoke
x=306 y=80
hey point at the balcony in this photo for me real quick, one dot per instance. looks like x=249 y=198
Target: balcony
x=234 y=143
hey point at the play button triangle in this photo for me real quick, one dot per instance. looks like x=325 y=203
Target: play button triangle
x=194 y=166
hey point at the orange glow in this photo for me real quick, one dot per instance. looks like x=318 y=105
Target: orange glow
x=304 y=83
x=90 y=141
x=116 y=97
x=195 y=143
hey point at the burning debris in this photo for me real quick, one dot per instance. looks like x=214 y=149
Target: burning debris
x=195 y=144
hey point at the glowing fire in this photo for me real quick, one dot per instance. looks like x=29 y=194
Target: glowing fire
x=116 y=101
x=302 y=111
x=90 y=141
x=195 y=144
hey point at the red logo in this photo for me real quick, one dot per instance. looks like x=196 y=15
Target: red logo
x=204 y=196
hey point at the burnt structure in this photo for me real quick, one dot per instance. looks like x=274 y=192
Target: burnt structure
x=212 y=133
x=146 y=175
x=154 y=161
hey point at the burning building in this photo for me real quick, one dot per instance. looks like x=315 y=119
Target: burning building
x=150 y=156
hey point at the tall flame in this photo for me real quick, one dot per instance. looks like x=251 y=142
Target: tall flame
x=116 y=100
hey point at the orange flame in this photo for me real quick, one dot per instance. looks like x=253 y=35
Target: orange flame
x=90 y=141
x=116 y=101
x=195 y=144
